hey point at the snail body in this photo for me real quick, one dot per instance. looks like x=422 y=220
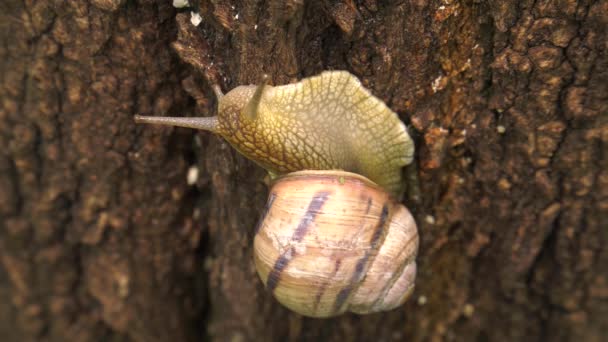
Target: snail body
x=324 y=122
x=332 y=241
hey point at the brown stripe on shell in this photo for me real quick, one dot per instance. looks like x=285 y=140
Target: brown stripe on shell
x=275 y=275
x=269 y=203
x=369 y=205
x=313 y=209
x=321 y=291
x=397 y=274
x=360 y=268
x=341 y=298
x=343 y=294
x=311 y=212
x=380 y=228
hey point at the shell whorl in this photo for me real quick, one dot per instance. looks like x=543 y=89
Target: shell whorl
x=352 y=249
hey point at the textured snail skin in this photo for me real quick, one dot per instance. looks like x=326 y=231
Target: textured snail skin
x=331 y=242
x=325 y=122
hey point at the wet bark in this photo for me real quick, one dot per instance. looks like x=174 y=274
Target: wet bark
x=111 y=231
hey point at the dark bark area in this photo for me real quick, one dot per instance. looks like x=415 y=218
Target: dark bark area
x=102 y=238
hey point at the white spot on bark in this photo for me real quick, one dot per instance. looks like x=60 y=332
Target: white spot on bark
x=468 y=310
x=192 y=176
x=122 y=280
x=436 y=85
x=180 y=3
x=195 y=18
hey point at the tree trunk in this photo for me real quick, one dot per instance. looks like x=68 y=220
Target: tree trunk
x=115 y=232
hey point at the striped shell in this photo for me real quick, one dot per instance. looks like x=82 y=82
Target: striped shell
x=332 y=241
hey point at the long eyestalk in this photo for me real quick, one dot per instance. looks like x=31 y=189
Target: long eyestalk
x=251 y=108
x=204 y=123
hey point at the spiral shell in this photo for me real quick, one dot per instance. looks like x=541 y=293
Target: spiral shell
x=333 y=241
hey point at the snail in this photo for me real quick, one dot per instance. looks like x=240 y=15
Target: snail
x=333 y=237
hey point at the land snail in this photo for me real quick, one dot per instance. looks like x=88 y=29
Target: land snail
x=333 y=237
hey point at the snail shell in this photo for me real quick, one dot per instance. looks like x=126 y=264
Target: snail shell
x=333 y=241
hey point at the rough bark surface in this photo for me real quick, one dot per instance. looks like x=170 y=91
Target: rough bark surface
x=102 y=238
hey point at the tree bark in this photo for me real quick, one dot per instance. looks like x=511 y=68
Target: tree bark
x=115 y=232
